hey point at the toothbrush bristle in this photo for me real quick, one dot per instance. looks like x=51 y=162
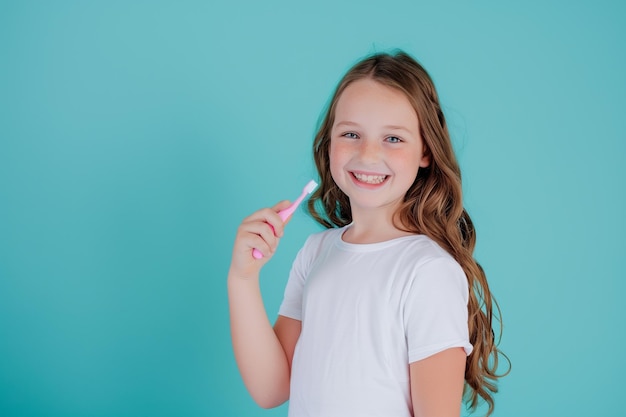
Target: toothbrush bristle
x=310 y=187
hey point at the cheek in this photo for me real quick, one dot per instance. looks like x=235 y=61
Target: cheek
x=336 y=158
x=410 y=165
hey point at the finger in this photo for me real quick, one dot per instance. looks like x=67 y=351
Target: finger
x=268 y=234
x=261 y=249
x=258 y=234
x=271 y=217
x=261 y=229
x=268 y=215
x=279 y=207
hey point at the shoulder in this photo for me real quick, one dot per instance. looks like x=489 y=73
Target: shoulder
x=323 y=239
x=429 y=262
x=315 y=246
x=420 y=249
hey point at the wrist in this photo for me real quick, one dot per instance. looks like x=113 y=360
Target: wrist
x=240 y=285
x=240 y=276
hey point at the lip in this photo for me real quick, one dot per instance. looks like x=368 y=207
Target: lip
x=366 y=185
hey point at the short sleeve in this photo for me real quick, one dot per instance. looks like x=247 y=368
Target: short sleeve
x=435 y=310
x=291 y=305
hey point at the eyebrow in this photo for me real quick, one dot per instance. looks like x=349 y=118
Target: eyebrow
x=391 y=127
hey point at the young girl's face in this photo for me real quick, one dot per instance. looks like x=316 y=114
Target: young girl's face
x=375 y=147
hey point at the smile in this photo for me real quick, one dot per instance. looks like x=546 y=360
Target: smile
x=370 y=179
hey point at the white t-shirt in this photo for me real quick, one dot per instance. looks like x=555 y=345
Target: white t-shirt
x=367 y=312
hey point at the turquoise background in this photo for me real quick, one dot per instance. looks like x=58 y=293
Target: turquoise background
x=135 y=136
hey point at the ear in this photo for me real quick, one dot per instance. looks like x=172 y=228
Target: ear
x=425 y=161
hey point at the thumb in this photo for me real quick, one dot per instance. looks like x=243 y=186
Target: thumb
x=282 y=206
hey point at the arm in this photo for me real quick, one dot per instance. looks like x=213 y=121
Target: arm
x=260 y=356
x=437 y=384
x=288 y=332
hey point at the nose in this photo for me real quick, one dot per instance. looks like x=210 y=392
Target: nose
x=370 y=151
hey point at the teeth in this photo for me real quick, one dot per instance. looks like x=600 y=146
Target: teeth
x=370 y=179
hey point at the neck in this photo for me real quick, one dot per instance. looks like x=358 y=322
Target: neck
x=371 y=227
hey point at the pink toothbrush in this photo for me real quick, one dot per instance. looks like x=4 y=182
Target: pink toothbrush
x=285 y=213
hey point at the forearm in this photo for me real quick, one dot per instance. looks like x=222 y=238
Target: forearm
x=260 y=357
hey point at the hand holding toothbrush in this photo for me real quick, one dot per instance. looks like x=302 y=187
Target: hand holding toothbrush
x=258 y=234
x=284 y=214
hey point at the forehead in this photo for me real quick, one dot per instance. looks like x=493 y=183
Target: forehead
x=369 y=100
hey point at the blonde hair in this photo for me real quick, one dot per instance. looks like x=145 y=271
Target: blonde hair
x=432 y=206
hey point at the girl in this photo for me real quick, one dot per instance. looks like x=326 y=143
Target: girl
x=386 y=313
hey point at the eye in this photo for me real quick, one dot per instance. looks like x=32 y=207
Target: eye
x=350 y=135
x=393 y=139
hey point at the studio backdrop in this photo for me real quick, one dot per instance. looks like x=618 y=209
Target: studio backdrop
x=135 y=136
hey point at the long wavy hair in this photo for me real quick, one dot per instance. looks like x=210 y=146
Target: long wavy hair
x=433 y=206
